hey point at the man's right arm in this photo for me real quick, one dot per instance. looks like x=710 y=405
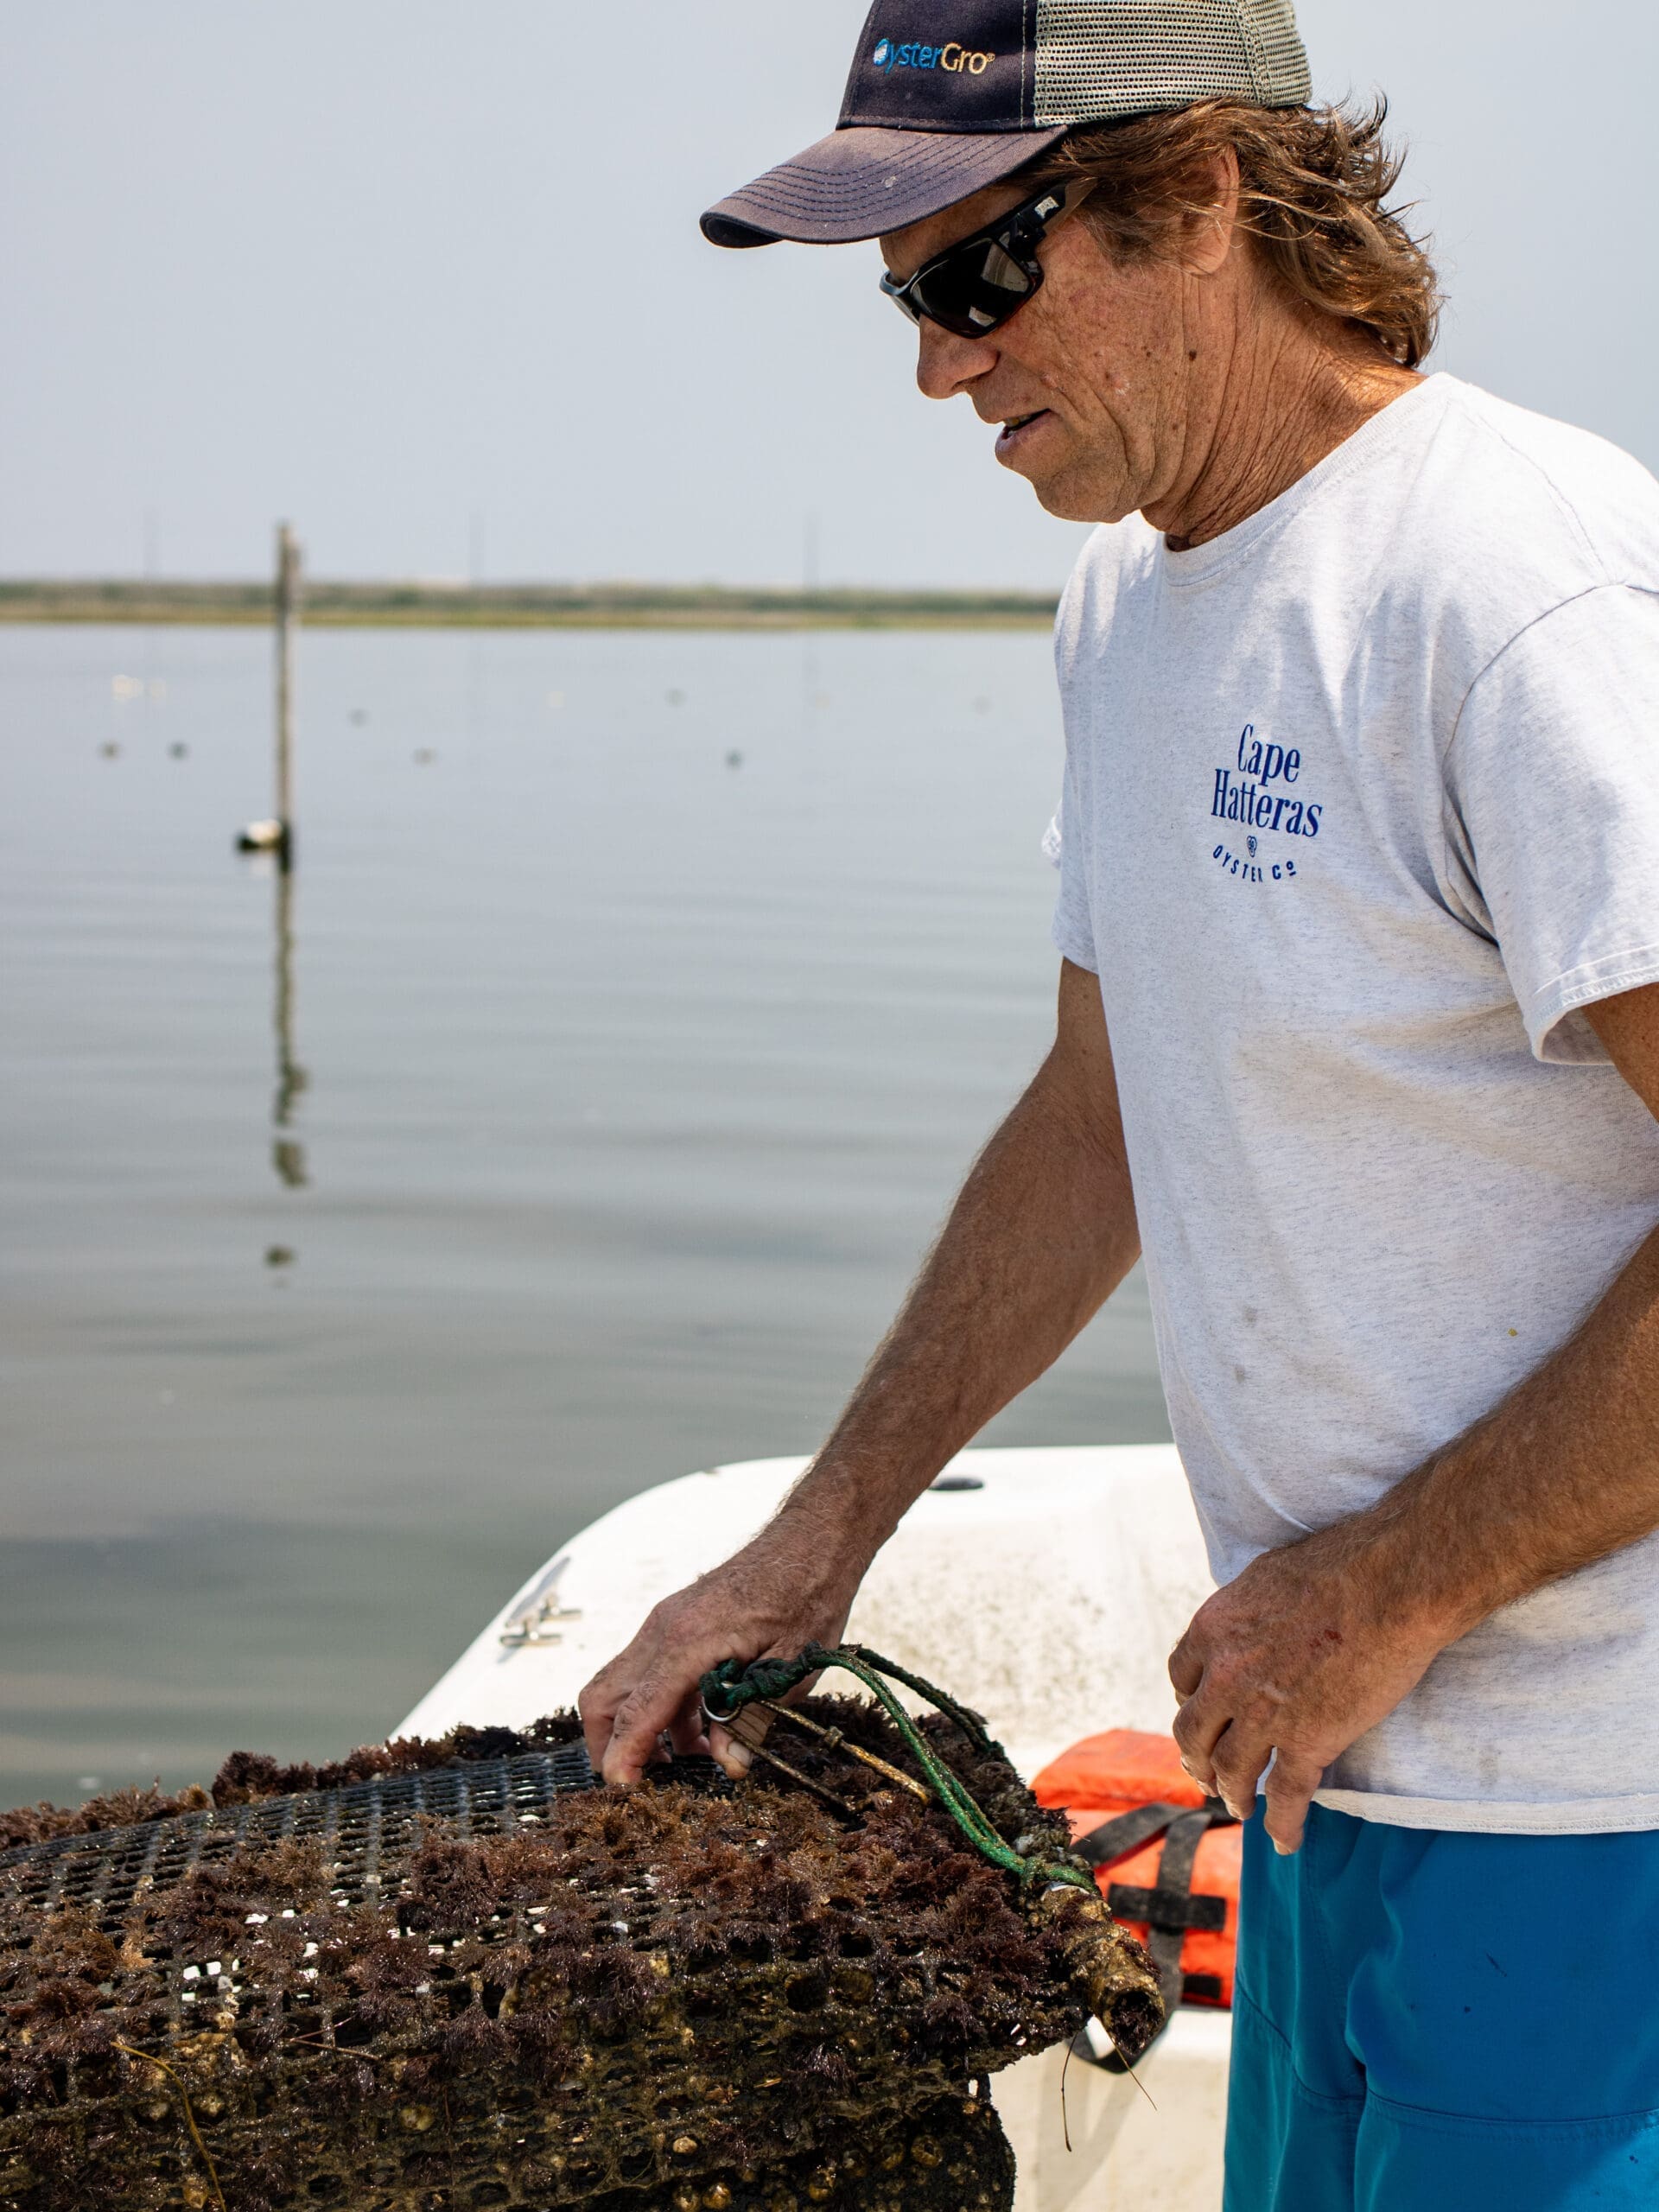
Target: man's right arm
x=1043 y=1232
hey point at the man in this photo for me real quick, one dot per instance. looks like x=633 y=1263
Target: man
x=1357 y=1042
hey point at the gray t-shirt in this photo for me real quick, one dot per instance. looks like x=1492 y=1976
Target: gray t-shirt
x=1361 y=807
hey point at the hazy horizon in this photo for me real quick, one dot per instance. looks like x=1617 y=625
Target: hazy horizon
x=428 y=283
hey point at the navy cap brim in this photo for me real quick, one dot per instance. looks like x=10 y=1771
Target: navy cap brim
x=864 y=180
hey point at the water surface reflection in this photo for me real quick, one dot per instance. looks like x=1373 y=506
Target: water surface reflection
x=643 y=1080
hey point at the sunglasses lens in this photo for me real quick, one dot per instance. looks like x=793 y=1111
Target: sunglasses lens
x=972 y=290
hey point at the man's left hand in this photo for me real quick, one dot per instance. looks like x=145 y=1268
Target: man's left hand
x=1311 y=1646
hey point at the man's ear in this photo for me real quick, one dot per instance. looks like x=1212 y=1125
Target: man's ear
x=1210 y=230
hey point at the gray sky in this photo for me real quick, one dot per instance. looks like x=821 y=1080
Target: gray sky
x=425 y=276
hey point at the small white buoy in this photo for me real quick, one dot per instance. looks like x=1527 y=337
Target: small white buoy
x=260 y=836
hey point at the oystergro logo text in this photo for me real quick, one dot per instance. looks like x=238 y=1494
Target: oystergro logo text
x=889 y=56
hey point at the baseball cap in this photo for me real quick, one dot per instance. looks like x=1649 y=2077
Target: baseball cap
x=946 y=99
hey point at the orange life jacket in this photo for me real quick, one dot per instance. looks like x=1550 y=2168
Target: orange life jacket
x=1167 y=1857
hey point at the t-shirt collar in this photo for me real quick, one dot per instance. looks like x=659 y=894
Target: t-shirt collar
x=1198 y=564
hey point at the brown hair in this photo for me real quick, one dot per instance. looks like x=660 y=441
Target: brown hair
x=1313 y=181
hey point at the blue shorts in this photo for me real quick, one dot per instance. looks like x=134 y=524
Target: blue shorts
x=1431 y=2022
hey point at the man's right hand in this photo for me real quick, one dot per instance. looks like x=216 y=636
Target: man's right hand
x=789 y=1587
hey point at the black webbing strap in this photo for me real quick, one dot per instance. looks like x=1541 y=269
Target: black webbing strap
x=1173 y=1898
x=1169 y=1909
x=1116 y=1839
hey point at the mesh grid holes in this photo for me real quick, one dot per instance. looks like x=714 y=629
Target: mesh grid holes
x=1275 y=24
x=103 y=1872
x=108 y=1875
x=1101 y=58
x=664 y=2062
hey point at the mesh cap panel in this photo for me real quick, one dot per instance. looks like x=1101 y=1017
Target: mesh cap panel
x=1100 y=58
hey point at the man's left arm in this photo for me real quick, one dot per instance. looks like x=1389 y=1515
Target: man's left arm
x=1316 y=1642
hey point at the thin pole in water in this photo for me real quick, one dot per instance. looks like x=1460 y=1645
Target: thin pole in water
x=277 y=833
x=288 y=621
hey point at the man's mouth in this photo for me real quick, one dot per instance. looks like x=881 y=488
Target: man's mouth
x=1016 y=427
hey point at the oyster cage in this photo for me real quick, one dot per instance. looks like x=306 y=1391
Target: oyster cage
x=100 y=1874
x=489 y=1983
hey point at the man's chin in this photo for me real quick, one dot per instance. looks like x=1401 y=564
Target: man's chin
x=1065 y=490
x=1060 y=494
x=1054 y=501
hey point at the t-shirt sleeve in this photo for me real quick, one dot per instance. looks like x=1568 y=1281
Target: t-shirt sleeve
x=1552 y=791
x=1073 y=928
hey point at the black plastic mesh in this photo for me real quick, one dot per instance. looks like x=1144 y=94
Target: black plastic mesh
x=357 y=1826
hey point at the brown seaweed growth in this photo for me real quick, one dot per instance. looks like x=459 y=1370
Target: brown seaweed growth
x=248 y=1777
x=475 y=1983
x=122 y=1809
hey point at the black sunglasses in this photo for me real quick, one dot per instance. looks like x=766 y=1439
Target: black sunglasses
x=978 y=283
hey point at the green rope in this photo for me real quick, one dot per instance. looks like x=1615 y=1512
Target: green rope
x=729 y=1687
x=969 y=1723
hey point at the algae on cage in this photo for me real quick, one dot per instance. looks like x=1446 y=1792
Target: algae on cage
x=689 y=1995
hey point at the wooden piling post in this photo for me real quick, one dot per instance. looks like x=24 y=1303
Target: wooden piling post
x=288 y=621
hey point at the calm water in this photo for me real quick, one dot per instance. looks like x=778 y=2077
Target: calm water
x=645 y=1000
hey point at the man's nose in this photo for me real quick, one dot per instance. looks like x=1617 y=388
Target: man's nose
x=946 y=365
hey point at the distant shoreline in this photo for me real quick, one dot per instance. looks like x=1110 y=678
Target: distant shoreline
x=524 y=606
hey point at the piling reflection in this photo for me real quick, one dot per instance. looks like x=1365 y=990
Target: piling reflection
x=287 y=1153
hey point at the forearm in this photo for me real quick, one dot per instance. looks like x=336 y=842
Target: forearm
x=1043 y=1232
x=1317 y=1642
x=1562 y=1471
